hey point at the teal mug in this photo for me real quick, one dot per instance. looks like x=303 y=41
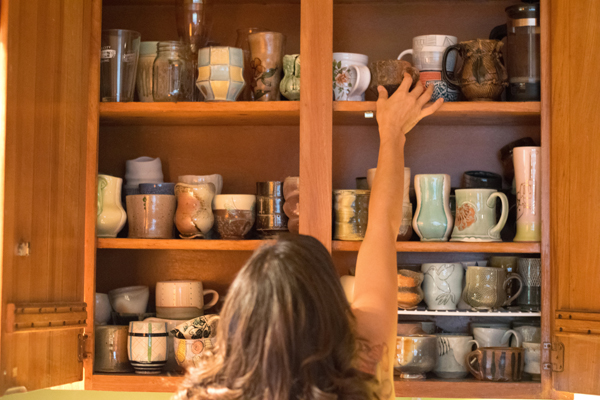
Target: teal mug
x=475 y=219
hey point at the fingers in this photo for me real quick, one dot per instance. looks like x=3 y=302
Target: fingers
x=427 y=111
x=406 y=83
x=383 y=93
x=416 y=92
x=426 y=96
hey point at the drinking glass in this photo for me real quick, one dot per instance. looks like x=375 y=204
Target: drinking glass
x=118 y=64
x=530 y=270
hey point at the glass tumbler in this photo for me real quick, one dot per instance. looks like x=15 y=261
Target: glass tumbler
x=118 y=64
x=530 y=270
x=148 y=52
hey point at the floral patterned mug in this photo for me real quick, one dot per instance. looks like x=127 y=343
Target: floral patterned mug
x=351 y=76
x=475 y=219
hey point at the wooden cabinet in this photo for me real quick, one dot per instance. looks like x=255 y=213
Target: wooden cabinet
x=57 y=136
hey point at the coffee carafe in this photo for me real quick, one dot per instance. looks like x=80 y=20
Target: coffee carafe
x=522 y=51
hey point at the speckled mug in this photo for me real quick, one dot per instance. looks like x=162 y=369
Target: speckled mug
x=150 y=216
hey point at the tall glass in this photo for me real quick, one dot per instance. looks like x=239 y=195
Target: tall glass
x=118 y=64
x=243 y=43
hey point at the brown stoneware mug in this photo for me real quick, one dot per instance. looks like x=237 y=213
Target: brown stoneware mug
x=496 y=364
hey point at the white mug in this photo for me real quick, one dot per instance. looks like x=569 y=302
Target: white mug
x=452 y=364
x=442 y=285
x=532 y=359
x=494 y=337
x=182 y=299
x=351 y=76
x=428 y=52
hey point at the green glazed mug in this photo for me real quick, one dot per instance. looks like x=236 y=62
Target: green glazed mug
x=475 y=219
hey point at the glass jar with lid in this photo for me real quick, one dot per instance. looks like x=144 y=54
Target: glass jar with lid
x=173 y=73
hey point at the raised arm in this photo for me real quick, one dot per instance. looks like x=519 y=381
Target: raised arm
x=375 y=294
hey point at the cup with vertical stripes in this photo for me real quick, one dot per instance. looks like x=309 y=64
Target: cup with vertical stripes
x=147 y=346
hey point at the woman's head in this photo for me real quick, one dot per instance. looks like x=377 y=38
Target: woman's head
x=285 y=332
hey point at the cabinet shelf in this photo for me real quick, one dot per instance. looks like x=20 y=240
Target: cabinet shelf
x=456 y=113
x=468 y=313
x=201 y=113
x=179 y=244
x=449 y=247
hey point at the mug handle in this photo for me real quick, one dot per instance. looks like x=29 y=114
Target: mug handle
x=405 y=52
x=214 y=299
x=508 y=279
x=491 y=201
x=507 y=334
x=473 y=342
x=363 y=78
x=499 y=32
x=453 y=83
x=471 y=357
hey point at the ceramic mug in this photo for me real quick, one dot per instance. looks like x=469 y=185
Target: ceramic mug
x=509 y=264
x=351 y=76
x=150 y=216
x=452 y=352
x=267 y=51
x=351 y=214
x=433 y=220
x=215 y=179
x=188 y=352
x=291 y=207
x=496 y=364
x=494 y=337
x=486 y=288
x=171 y=324
x=442 y=285
x=147 y=346
x=111 y=349
x=194 y=216
x=528 y=177
x=532 y=360
x=220 y=73
x=428 y=51
x=476 y=215
x=143 y=170
x=182 y=299
x=234 y=215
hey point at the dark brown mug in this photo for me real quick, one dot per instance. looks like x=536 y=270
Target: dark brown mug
x=496 y=364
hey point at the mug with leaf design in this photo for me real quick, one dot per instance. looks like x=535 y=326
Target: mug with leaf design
x=442 y=285
x=267 y=50
x=475 y=219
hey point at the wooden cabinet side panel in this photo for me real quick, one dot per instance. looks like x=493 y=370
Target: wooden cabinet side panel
x=47 y=71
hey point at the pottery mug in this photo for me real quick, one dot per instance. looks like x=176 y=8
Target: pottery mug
x=220 y=73
x=350 y=214
x=509 y=264
x=494 y=337
x=194 y=216
x=496 y=364
x=351 y=76
x=528 y=177
x=147 y=346
x=150 y=216
x=452 y=354
x=428 y=50
x=442 y=285
x=111 y=349
x=102 y=309
x=475 y=219
x=182 y=299
x=267 y=50
x=486 y=288
x=234 y=215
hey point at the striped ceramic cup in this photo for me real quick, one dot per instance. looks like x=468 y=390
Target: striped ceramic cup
x=147 y=346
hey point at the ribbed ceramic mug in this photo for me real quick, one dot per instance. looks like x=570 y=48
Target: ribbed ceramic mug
x=528 y=177
x=147 y=346
x=442 y=285
x=351 y=76
x=433 y=220
x=486 y=288
x=475 y=219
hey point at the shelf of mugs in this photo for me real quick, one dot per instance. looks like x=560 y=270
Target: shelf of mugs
x=469 y=313
x=178 y=244
x=452 y=113
x=450 y=247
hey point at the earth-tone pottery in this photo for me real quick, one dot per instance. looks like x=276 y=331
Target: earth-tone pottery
x=452 y=355
x=532 y=360
x=475 y=219
x=290 y=84
x=410 y=293
x=143 y=81
x=486 y=288
x=482 y=76
x=496 y=364
x=111 y=349
x=220 y=73
x=509 y=264
x=234 y=215
x=102 y=309
x=528 y=177
x=291 y=207
x=147 y=346
x=143 y=170
x=194 y=216
x=182 y=299
x=390 y=74
x=433 y=220
x=243 y=43
x=271 y=219
x=530 y=269
x=350 y=214
x=130 y=299
x=266 y=49
x=351 y=76
x=150 y=216
x=189 y=351
x=416 y=355
x=495 y=336
x=428 y=50
x=442 y=285
x=111 y=216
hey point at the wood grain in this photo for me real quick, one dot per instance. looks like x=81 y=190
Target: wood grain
x=449 y=247
x=468 y=388
x=180 y=244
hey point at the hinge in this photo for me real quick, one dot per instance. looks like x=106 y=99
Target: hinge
x=81 y=354
x=557 y=357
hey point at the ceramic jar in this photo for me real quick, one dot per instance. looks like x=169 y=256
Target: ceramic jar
x=433 y=220
x=143 y=82
x=151 y=216
x=496 y=364
x=234 y=215
x=533 y=355
x=475 y=219
x=110 y=354
x=442 y=285
x=142 y=170
x=291 y=207
x=243 y=43
x=351 y=76
x=390 y=74
x=147 y=346
x=188 y=352
x=452 y=355
x=266 y=49
x=528 y=177
x=194 y=217
x=290 y=84
x=416 y=355
x=220 y=73
x=486 y=288
x=350 y=214
x=270 y=217
x=102 y=309
x=410 y=293
x=110 y=216
x=482 y=76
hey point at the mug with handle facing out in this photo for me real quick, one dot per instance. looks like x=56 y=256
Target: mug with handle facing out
x=486 y=288
x=182 y=299
x=476 y=215
x=351 y=76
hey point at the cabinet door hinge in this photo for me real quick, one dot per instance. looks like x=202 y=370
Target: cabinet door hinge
x=81 y=354
x=557 y=356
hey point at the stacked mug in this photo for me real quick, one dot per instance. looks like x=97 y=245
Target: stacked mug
x=427 y=54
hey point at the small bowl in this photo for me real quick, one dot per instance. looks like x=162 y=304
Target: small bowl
x=234 y=215
x=416 y=355
x=102 y=309
x=189 y=351
x=129 y=300
x=157 y=188
x=245 y=202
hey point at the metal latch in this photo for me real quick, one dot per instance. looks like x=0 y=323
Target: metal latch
x=81 y=354
x=557 y=357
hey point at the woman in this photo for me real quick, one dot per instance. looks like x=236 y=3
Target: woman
x=287 y=331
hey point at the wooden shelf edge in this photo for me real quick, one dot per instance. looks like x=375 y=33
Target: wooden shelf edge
x=449 y=247
x=469 y=388
x=179 y=244
x=135 y=382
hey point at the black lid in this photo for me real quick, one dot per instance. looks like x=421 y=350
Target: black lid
x=522 y=10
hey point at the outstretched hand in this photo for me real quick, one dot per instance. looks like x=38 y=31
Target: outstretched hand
x=399 y=113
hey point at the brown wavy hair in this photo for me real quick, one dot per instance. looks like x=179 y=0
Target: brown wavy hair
x=286 y=332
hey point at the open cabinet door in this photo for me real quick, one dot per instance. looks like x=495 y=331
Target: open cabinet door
x=46 y=106
x=575 y=194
